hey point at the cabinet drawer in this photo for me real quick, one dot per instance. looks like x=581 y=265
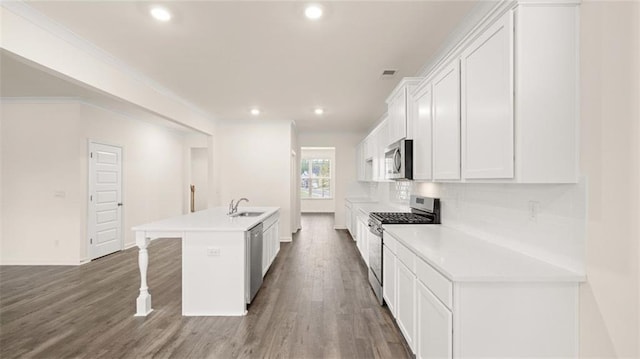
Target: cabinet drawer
x=435 y=282
x=390 y=242
x=406 y=256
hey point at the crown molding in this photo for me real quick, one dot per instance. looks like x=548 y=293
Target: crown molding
x=27 y=12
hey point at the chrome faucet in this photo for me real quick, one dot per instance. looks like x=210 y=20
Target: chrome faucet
x=233 y=208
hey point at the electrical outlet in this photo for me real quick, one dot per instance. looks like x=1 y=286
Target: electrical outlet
x=59 y=194
x=213 y=252
x=534 y=208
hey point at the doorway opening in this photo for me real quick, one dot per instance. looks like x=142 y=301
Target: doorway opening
x=317 y=179
x=199 y=176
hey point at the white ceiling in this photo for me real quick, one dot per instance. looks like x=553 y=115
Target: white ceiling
x=229 y=56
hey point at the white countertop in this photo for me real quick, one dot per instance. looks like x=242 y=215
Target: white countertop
x=464 y=258
x=209 y=220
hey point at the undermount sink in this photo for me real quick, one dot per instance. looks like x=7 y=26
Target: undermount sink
x=247 y=214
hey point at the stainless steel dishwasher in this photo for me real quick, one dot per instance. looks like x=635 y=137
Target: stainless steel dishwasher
x=253 y=239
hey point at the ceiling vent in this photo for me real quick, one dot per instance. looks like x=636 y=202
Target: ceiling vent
x=387 y=74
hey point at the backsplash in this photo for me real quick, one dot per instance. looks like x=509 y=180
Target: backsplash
x=547 y=221
x=397 y=192
x=543 y=221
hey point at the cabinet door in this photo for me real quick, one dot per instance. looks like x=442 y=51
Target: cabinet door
x=446 y=123
x=266 y=249
x=487 y=103
x=276 y=239
x=398 y=115
x=421 y=128
x=361 y=236
x=434 y=335
x=383 y=135
x=389 y=278
x=363 y=240
x=406 y=303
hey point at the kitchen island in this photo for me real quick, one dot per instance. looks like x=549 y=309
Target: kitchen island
x=215 y=263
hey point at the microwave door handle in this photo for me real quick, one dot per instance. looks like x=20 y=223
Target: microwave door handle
x=397 y=160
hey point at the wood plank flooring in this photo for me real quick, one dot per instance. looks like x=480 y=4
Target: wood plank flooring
x=315 y=303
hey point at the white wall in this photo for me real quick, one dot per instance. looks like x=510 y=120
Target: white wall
x=345 y=151
x=254 y=159
x=152 y=166
x=610 y=158
x=41 y=184
x=44 y=159
x=320 y=205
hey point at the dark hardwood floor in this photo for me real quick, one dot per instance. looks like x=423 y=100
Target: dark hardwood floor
x=315 y=303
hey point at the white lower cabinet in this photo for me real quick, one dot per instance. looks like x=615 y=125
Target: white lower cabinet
x=347 y=219
x=406 y=310
x=270 y=242
x=494 y=319
x=362 y=239
x=389 y=278
x=434 y=327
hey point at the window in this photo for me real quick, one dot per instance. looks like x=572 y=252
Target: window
x=315 y=178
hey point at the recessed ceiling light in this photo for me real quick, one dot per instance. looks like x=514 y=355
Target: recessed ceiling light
x=160 y=13
x=255 y=111
x=313 y=12
x=318 y=111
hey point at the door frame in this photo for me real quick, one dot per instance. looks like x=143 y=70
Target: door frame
x=90 y=228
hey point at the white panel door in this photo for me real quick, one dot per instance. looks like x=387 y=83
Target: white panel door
x=487 y=103
x=434 y=335
x=422 y=153
x=105 y=200
x=446 y=123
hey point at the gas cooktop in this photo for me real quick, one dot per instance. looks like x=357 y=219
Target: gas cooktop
x=401 y=218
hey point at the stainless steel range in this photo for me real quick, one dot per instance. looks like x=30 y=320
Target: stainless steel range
x=424 y=210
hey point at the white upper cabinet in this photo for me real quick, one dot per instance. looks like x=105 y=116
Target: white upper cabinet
x=382 y=139
x=446 y=123
x=397 y=110
x=421 y=118
x=546 y=92
x=397 y=116
x=501 y=106
x=486 y=67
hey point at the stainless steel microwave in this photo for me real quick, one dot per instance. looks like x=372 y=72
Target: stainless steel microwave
x=398 y=161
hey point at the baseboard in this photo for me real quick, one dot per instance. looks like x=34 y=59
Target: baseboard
x=129 y=245
x=286 y=239
x=339 y=227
